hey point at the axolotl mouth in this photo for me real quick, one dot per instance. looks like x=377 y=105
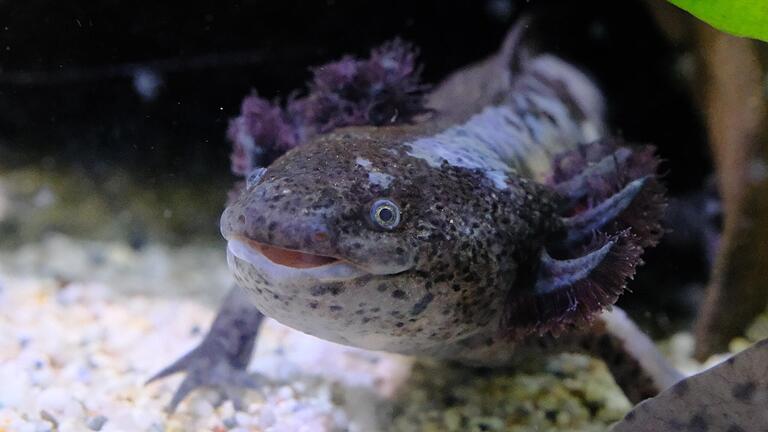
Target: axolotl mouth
x=278 y=264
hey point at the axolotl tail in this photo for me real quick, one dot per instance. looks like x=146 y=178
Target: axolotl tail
x=555 y=108
x=523 y=107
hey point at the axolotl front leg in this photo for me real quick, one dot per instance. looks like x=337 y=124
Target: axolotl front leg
x=221 y=359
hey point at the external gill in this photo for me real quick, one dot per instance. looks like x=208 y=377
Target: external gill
x=583 y=225
x=613 y=205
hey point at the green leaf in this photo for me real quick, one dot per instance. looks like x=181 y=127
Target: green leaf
x=740 y=17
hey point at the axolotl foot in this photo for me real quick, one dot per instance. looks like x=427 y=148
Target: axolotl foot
x=209 y=368
x=221 y=359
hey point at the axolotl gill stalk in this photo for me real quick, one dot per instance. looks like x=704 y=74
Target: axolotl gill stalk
x=488 y=220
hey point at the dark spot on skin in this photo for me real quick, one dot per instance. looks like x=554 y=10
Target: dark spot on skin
x=400 y=324
x=676 y=425
x=381 y=288
x=366 y=320
x=398 y=294
x=335 y=308
x=681 y=388
x=422 y=304
x=697 y=424
x=313 y=305
x=735 y=428
x=318 y=290
x=744 y=391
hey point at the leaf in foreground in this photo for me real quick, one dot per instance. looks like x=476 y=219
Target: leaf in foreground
x=739 y=17
x=732 y=396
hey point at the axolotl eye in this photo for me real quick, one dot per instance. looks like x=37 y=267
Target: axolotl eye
x=385 y=214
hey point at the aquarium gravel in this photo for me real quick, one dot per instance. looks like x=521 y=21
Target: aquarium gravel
x=79 y=335
x=74 y=357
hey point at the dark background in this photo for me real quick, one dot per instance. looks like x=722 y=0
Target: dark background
x=68 y=101
x=67 y=68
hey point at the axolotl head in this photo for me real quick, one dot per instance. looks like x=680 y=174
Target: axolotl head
x=351 y=239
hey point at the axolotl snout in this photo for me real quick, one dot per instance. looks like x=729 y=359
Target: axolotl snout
x=501 y=222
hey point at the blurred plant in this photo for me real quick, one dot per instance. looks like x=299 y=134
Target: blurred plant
x=748 y=18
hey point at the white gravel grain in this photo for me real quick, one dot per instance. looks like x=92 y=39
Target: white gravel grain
x=74 y=355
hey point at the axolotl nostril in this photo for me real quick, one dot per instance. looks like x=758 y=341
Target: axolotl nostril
x=500 y=220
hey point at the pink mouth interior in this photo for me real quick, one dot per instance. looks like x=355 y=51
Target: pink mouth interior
x=290 y=258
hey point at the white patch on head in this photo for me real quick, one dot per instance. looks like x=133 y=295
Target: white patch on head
x=374 y=176
x=380 y=179
x=477 y=144
x=365 y=163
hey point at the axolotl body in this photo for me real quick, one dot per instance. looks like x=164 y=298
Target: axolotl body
x=500 y=222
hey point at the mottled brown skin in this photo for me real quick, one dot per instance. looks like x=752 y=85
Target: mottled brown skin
x=476 y=211
x=464 y=242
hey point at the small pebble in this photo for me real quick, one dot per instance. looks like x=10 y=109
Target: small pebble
x=45 y=415
x=88 y=348
x=230 y=422
x=96 y=423
x=58 y=401
x=267 y=418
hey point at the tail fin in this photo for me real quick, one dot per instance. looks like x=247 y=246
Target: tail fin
x=550 y=106
x=481 y=84
x=584 y=99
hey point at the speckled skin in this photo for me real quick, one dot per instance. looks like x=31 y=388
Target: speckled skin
x=462 y=242
x=471 y=181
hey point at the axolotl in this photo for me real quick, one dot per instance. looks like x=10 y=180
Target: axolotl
x=501 y=222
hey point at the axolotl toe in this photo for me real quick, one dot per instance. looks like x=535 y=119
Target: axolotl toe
x=499 y=222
